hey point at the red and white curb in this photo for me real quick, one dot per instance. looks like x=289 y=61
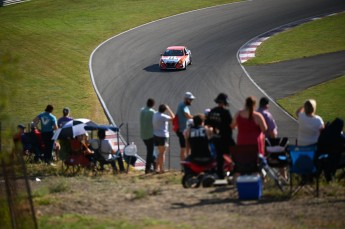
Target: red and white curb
x=247 y=51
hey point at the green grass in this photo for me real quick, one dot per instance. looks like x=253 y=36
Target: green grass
x=317 y=37
x=53 y=40
x=329 y=96
x=321 y=36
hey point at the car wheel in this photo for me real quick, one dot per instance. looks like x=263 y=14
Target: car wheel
x=190 y=61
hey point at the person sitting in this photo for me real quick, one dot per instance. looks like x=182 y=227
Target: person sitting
x=106 y=151
x=80 y=151
x=197 y=139
x=332 y=142
x=36 y=142
x=309 y=124
x=17 y=138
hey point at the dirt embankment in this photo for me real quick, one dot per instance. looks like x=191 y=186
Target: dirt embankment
x=136 y=197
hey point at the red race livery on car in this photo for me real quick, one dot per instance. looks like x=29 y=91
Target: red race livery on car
x=175 y=57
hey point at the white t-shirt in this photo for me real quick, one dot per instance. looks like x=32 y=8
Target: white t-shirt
x=160 y=123
x=308 y=129
x=106 y=149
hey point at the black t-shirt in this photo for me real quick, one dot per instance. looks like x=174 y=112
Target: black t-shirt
x=220 y=119
x=199 y=143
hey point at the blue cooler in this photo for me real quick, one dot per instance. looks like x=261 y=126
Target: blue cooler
x=249 y=187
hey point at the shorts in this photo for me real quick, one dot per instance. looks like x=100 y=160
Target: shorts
x=181 y=139
x=160 y=141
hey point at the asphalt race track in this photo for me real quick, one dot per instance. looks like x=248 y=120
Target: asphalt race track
x=126 y=72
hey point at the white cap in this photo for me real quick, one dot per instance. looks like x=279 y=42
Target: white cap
x=189 y=95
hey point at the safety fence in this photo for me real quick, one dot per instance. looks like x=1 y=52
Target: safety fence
x=16 y=206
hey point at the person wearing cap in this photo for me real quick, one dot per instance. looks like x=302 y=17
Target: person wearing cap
x=219 y=118
x=65 y=117
x=48 y=125
x=272 y=129
x=183 y=114
x=309 y=124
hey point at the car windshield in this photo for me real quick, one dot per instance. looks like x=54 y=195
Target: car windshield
x=171 y=52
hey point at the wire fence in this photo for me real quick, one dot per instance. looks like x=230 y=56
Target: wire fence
x=16 y=206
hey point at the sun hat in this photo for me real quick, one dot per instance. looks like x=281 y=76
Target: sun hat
x=222 y=98
x=189 y=95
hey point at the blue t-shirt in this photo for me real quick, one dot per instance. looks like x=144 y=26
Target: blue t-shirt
x=182 y=120
x=48 y=121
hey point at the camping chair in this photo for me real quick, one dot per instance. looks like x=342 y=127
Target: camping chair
x=275 y=151
x=277 y=157
x=302 y=163
x=245 y=158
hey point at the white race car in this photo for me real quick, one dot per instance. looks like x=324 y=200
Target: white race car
x=175 y=57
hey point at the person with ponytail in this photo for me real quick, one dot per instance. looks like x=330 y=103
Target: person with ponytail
x=251 y=126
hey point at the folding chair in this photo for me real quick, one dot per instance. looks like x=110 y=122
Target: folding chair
x=245 y=158
x=275 y=150
x=302 y=163
x=277 y=157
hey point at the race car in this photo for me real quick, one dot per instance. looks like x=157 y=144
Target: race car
x=175 y=57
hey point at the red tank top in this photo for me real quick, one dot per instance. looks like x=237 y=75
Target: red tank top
x=249 y=133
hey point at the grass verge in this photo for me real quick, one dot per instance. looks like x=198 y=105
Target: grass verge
x=321 y=36
x=317 y=37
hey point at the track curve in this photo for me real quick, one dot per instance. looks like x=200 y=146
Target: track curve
x=125 y=68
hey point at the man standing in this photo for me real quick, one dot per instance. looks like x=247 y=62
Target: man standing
x=48 y=125
x=272 y=129
x=183 y=115
x=146 y=132
x=219 y=118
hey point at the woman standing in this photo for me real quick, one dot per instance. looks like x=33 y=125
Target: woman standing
x=251 y=126
x=160 y=123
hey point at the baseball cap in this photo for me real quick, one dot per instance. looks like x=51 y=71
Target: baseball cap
x=189 y=95
x=21 y=126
